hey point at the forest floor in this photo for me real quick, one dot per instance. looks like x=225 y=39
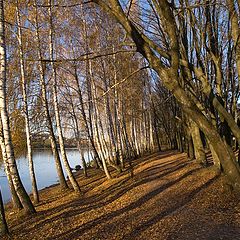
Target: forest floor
x=169 y=197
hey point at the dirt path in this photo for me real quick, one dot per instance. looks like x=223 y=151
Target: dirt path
x=168 y=198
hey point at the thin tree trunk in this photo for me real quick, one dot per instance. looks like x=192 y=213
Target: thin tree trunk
x=154 y=118
x=116 y=116
x=52 y=137
x=26 y=112
x=151 y=132
x=105 y=168
x=89 y=124
x=77 y=136
x=190 y=147
x=113 y=147
x=90 y=137
x=56 y=108
x=83 y=159
x=235 y=32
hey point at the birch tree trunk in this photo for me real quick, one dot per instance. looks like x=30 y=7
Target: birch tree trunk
x=119 y=140
x=15 y=199
x=151 y=133
x=113 y=147
x=26 y=112
x=21 y=192
x=61 y=141
x=56 y=107
x=52 y=137
x=100 y=139
x=102 y=142
x=88 y=122
x=77 y=136
x=80 y=97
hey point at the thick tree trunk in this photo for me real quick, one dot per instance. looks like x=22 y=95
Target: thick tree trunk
x=15 y=199
x=215 y=157
x=223 y=152
x=215 y=101
x=197 y=142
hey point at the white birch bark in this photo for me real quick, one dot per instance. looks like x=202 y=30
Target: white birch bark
x=15 y=199
x=26 y=112
x=59 y=169
x=56 y=108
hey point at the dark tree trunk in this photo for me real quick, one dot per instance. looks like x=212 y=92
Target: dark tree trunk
x=190 y=148
x=3 y=223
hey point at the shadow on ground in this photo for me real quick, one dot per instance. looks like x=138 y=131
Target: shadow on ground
x=167 y=198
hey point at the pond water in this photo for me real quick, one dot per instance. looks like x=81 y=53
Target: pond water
x=45 y=170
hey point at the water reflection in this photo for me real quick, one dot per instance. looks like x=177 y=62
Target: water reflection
x=44 y=168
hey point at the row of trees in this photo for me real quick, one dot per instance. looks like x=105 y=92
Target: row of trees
x=130 y=76
x=105 y=97
x=191 y=45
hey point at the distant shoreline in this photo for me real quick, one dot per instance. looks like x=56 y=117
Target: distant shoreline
x=49 y=148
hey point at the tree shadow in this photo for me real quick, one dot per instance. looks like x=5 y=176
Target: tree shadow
x=73 y=233
x=109 y=195
x=207 y=231
x=80 y=205
x=147 y=224
x=154 y=156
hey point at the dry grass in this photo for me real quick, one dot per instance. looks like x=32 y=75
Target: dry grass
x=169 y=197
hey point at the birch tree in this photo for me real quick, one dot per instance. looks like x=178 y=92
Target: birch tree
x=20 y=190
x=25 y=109
x=56 y=107
x=41 y=68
